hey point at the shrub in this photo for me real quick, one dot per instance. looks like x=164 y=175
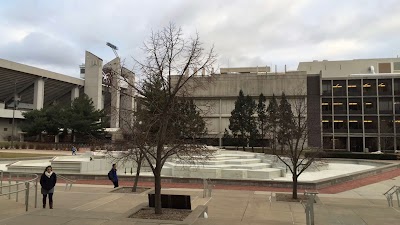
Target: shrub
x=23 y=145
x=6 y=145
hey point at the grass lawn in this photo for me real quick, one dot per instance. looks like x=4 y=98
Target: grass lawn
x=8 y=155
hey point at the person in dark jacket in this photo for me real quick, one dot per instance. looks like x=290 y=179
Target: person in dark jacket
x=48 y=181
x=112 y=175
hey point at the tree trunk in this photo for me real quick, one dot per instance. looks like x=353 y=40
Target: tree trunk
x=157 y=191
x=135 y=182
x=294 y=178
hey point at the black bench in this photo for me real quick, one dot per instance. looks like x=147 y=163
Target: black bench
x=171 y=201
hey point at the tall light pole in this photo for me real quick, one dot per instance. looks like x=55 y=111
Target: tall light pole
x=113 y=47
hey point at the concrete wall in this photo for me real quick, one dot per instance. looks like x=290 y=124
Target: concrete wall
x=219 y=96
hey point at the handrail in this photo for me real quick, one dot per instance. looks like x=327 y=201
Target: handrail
x=66 y=183
x=389 y=195
x=33 y=181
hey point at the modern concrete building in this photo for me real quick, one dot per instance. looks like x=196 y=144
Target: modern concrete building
x=360 y=102
x=30 y=88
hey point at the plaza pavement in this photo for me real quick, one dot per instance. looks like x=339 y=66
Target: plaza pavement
x=88 y=204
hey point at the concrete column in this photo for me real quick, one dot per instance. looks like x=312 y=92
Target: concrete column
x=74 y=93
x=128 y=102
x=38 y=94
x=115 y=66
x=94 y=78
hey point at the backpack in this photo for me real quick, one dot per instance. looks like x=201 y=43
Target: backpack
x=110 y=176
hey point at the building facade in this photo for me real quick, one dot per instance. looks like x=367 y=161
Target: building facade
x=360 y=103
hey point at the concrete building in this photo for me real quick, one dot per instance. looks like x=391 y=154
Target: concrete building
x=218 y=100
x=26 y=88
x=360 y=102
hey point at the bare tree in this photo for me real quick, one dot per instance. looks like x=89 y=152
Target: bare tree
x=166 y=123
x=292 y=135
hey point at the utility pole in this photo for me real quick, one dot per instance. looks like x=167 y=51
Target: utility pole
x=13 y=119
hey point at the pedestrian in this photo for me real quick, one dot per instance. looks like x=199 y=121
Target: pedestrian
x=74 y=150
x=112 y=175
x=48 y=181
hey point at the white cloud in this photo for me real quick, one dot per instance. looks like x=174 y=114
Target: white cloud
x=245 y=33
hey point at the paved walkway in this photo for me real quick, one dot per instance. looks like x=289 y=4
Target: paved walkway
x=94 y=205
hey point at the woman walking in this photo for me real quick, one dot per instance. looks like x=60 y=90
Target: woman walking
x=48 y=180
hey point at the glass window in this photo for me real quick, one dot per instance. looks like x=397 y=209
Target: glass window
x=371 y=124
x=326 y=106
x=340 y=124
x=384 y=87
x=356 y=144
x=326 y=87
x=386 y=124
x=397 y=124
x=369 y=87
x=370 y=106
x=339 y=87
x=327 y=142
x=354 y=87
x=327 y=124
x=340 y=106
x=355 y=106
x=341 y=143
x=397 y=86
x=355 y=124
x=396 y=105
x=385 y=105
x=387 y=143
x=371 y=144
x=396 y=66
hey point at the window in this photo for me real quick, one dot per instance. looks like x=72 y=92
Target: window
x=371 y=124
x=385 y=87
x=385 y=105
x=385 y=67
x=340 y=124
x=340 y=106
x=326 y=106
x=396 y=66
x=354 y=87
x=386 y=124
x=326 y=88
x=355 y=124
x=355 y=106
x=339 y=87
x=370 y=106
x=369 y=87
x=5 y=129
x=397 y=86
x=327 y=124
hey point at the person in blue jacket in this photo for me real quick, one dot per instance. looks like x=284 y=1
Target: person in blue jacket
x=48 y=181
x=112 y=175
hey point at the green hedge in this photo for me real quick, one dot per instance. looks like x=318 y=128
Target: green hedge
x=359 y=155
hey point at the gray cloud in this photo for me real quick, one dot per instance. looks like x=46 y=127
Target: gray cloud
x=245 y=33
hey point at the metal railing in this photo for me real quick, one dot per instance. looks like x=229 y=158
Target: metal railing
x=67 y=182
x=19 y=181
x=309 y=206
x=389 y=195
x=207 y=187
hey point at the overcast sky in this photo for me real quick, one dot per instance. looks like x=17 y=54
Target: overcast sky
x=54 y=35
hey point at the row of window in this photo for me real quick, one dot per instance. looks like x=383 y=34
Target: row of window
x=354 y=124
x=355 y=144
x=355 y=105
x=369 y=87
